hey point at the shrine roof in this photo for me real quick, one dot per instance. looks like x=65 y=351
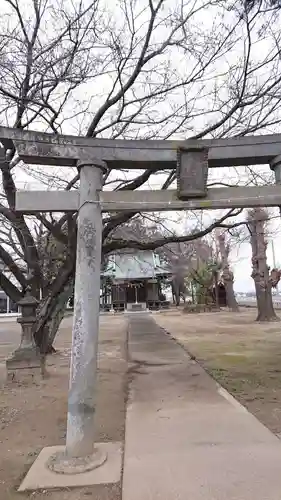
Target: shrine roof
x=143 y=264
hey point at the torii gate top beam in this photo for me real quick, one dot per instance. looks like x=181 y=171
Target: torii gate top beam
x=49 y=149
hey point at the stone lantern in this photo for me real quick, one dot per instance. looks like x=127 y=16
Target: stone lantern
x=25 y=362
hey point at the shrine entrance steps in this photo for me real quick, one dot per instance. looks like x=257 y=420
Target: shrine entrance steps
x=186 y=437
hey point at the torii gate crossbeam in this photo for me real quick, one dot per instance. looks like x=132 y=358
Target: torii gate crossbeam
x=36 y=147
x=150 y=201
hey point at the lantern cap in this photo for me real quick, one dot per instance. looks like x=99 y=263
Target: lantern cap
x=28 y=299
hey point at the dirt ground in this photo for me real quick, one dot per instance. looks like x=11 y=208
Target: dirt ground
x=242 y=355
x=34 y=416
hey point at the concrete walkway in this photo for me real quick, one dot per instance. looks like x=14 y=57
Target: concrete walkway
x=186 y=438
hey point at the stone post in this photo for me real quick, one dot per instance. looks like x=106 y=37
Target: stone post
x=80 y=453
x=25 y=362
x=275 y=165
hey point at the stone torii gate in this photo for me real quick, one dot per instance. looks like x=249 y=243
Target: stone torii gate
x=191 y=160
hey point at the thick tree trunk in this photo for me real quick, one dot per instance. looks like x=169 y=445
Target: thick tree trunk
x=260 y=274
x=176 y=292
x=264 y=303
x=57 y=315
x=50 y=314
x=228 y=280
x=227 y=274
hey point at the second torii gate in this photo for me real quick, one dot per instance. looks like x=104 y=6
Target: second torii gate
x=191 y=160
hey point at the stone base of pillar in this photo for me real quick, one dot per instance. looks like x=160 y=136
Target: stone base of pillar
x=25 y=365
x=41 y=477
x=62 y=464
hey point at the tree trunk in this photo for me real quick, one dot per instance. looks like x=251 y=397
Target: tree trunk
x=192 y=294
x=216 y=289
x=50 y=314
x=264 y=303
x=227 y=274
x=176 y=291
x=260 y=274
x=57 y=315
x=228 y=280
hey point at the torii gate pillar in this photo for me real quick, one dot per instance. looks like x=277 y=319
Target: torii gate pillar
x=80 y=453
x=275 y=165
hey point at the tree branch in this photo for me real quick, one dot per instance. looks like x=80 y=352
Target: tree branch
x=10 y=289
x=118 y=244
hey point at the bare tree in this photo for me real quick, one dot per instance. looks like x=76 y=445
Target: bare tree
x=226 y=273
x=257 y=219
x=267 y=5
x=183 y=258
x=133 y=69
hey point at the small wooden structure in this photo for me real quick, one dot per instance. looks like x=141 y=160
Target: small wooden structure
x=132 y=280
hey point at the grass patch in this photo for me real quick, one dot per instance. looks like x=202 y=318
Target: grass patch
x=242 y=355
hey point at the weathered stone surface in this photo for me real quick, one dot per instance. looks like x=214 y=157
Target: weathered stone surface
x=40 y=476
x=192 y=172
x=62 y=464
x=82 y=390
x=151 y=201
x=142 y=154
x=25 y=365
x=26 y=362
